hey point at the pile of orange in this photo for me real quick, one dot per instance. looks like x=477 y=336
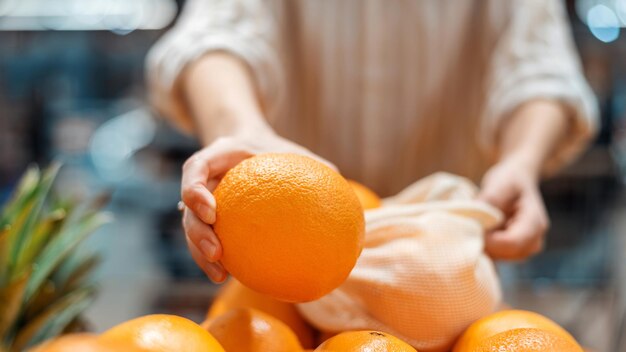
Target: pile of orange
x=516 y=330
x=151 y=333
x=291 y=230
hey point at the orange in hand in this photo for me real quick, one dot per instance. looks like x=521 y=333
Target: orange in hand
x=290 y=227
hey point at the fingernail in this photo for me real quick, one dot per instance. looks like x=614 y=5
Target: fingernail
x=212 y=201
x=208 y=249
x=207 y=214
x=214 y=273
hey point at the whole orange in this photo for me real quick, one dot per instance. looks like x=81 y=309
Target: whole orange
x=84 y=343
x=367 y=197
x=527 y=340
x=361 y=341
x=502 y=321
x=250 y=330
x=290 y=226
x=163 y=333
x=235 y=295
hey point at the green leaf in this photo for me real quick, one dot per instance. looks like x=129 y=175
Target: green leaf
x=71 y=234
x=74 y=271
x=24 y=189
x=43 y=231
x=68 y=276
x=54 y=319
x=26 y=231
x=11 y=298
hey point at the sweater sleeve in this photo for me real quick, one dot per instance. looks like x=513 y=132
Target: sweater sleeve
x=536 y=59
x=244 y=28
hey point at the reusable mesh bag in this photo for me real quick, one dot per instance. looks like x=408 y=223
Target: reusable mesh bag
x=423 y=275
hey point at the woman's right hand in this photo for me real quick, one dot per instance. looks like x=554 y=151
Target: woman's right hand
x=201 y=174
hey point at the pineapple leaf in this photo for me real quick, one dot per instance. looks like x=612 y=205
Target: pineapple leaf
x=74 y=271
x=54 y=319
x=70 y=275
x=74 y=230
x=25 y=232
x=41 y=235
x=24 y=189
x=11 y=299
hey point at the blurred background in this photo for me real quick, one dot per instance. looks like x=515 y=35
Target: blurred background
x=72 y=88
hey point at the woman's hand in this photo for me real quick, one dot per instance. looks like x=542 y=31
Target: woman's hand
x=201 y=174
x=512 y=186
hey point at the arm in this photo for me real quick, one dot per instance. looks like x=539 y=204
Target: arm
x=533 y=132
x=221 y=97
x=213 y=75
x=527 y=140
x=540 y=114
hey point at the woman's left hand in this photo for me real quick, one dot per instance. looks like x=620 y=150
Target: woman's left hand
x=512 y=186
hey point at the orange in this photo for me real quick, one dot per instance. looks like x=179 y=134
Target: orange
x=250 y=330
x=362 y=341
x=84 y=343
x=528 y=340
x=163 y=333
x=290 y=227
x=502 y=321
x=367 y=197
x=235 y=295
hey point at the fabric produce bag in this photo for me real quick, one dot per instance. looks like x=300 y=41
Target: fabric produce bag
x=423 y=275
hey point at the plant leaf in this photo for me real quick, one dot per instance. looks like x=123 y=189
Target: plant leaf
x=24 y=189
x=11 y=298
x=71 y=234
x=54 y=319
x=42 y=233
x=25 y=232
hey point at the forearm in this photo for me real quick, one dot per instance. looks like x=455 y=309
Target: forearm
x=221 y=97
x=532 y=133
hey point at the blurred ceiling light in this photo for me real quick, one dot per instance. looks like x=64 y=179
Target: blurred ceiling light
x=115 y=142
x=603 y=23
x=118 y=16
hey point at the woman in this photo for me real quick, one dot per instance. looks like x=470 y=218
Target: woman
x=388 y=91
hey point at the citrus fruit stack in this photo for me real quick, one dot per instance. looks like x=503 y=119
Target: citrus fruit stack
x=367 y=197
x=516 y=330
x=290 y=227
x=234 y=295
x=151 y=333
x=361 y=341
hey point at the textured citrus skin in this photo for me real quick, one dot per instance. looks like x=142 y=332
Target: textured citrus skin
x=528 y=340
x=364 y=341
x=84 y=343
x=250 y=330
x=235 y=295
x=502 y=321
x=367 y=197
x=290 y=227
x=163 y=333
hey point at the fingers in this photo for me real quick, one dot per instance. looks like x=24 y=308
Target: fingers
x=200 y=173
x=499 y=193
x=214 y=271
x=202 y=236
x=523 y=234
x=194 y=188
